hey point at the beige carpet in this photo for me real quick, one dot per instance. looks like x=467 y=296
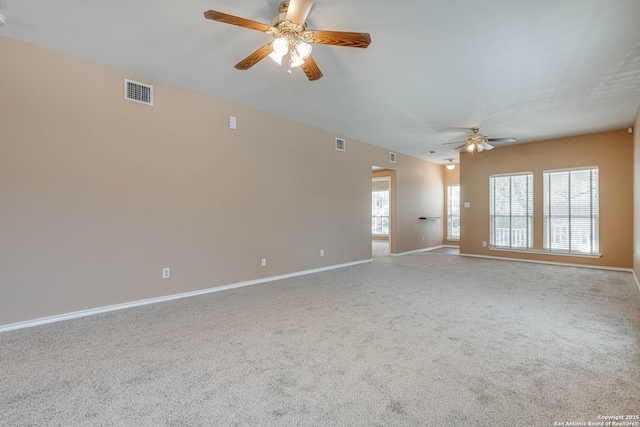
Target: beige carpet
x=425 y=339
x=380 y=248
x=448 y=250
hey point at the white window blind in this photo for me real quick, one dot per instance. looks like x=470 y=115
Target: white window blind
x=571 y=211
x=511 y=210
x=453 y=212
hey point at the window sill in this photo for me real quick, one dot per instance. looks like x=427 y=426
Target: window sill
x=453 y=239
x=541 y=252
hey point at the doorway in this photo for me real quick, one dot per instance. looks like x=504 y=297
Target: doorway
x=381 y=212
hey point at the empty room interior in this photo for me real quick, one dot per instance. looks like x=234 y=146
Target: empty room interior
x=320 y=213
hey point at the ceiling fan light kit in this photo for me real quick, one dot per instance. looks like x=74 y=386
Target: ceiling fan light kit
x=292 y=39
x=451 y=166
x=478 y=142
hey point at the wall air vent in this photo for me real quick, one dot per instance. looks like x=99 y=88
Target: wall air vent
x=138 y=92
x=340 y=144
x=392 y=157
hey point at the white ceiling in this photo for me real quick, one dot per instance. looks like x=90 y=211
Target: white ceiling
x=530 y=69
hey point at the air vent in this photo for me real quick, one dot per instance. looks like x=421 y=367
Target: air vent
x=392 y=157
x=138 y=92
x=340 y=144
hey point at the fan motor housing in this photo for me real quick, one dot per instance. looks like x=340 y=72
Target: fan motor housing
x=282 y=16
x=278 y=19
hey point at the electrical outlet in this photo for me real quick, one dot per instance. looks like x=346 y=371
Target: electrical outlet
x=264 y=262
x=484 y=244
x=166 y=273
x=321 y=252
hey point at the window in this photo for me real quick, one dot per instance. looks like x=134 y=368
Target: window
x=571 y=211
x=453 y=212
x=511 y=210
x=380 y=212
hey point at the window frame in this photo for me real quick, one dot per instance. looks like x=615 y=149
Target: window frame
x=374 y=217
x=528 y=216
x=450 y=216
x=594 y=230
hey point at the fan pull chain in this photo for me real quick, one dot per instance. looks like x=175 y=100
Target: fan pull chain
x=289 y=70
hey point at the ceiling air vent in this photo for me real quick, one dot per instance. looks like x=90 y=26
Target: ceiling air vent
x=138 y=92
x=392 y=157
x=340 y=144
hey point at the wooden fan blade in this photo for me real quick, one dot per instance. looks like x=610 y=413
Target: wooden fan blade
x=298 y=11
x=457 y=148
x=311 y=69
x=341 y=38
x=234 y=20
x=255 y=57
x=502 y=139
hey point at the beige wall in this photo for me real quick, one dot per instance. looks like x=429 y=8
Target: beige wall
x=450 y=177
x=99 y=194
x=636 y=195
x=419 y=193
x=612 y=152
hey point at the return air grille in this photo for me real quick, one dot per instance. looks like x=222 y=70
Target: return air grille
x=340 y=144
x=138 y=92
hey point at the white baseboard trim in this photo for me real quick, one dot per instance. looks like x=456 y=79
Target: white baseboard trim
x=98 y=310
x=419 y=250
x=565 y=264
x=635 y=278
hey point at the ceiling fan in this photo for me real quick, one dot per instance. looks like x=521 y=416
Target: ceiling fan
x=292 y=39
x=478 y=142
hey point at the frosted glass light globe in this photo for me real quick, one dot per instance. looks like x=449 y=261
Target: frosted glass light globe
x=296 y=61
x=281 y=46
x=303 y=49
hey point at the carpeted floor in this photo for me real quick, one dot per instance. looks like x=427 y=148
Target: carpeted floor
x=447 y=250
x=423 y=339
x=379 y=248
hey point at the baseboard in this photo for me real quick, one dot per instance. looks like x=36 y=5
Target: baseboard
x=566 y=264
x=635 y=278
x=420 y=250
x=98 y=310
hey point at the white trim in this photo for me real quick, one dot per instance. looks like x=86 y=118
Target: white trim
x=543 y=252
x=597 y=267
x=98 y=310
x=635 y=278
x=451 y=246
x=579 y=168
x=523 y=173
x=421 y=250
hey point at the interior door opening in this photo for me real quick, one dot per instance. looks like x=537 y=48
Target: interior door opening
x=381 y=220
